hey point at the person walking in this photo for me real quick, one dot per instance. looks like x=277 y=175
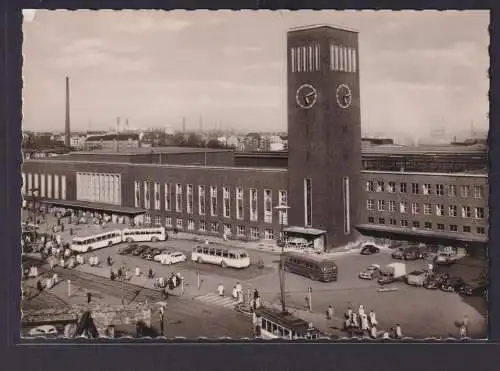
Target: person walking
x=373 y=332
x=89 y=297
x=235 y=293
x=329 y=313
x=364 y=323
x=399 y=333
x=373 y=318
x=220 y=289
x=162 y=318
x=361 y=310
x=239 y=287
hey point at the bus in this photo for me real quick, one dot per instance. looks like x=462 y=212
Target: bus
x=310 y=266
x=223 y=256
x=274 y=324
x=96 y=241
x=152 y=234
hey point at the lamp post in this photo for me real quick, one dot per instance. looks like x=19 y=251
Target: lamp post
x=281 y=209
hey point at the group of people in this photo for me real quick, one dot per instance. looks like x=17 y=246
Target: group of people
x=238 y=295
x=362 y=324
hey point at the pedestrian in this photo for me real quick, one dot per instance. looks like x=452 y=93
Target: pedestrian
x=349 y=312
x=373 y=318
x=386 y=335
x=355 y=322
x=329 y=313
x=220 y=289
x=463 y=331
x=257 y=303
x=255 y=294
x=150 y=273
x=235 y=293
x=399 y=333
x=39 y=285
x=361 y=310
x=137 y=271
x=238 y=286
x=162 y=313
x=89 y=297
x=373 y=332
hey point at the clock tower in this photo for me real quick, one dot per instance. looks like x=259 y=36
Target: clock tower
x=324 y=132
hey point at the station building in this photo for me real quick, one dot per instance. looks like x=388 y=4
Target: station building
x=326 y=190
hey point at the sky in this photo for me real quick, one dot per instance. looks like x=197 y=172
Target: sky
x=419 y=71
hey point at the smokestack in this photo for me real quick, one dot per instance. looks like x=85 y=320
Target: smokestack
x=67 y=133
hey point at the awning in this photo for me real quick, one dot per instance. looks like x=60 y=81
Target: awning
x=93 y=206
x=304 y=231
x=422 y=233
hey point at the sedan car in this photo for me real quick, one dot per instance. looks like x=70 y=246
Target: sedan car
x=445 y=259
x=45 y=330
x=369 y=250
x=171 y=258
x=124 y=250
x=474 y=288
x=408 y=254
x=139 y=250
x=370 y=272
x=454 y=284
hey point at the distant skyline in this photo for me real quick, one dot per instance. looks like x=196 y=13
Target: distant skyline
x=421 y=72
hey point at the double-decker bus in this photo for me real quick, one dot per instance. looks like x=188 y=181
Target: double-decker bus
x=96 y=241
x=153 y=234
x=223 y=256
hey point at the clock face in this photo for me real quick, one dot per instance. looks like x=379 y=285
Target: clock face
x=344 y=96
x=306 y=96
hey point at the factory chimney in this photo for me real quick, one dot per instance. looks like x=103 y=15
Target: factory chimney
x=67 y=132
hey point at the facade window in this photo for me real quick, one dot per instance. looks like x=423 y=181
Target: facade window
x=227 y=230
x=452 y=190
x=415 y=208
x=253 y=205
x=403 y=188
x=415 y=189
x=308 y=202
x=268 y=234
x=464 y=191
x=440 y=227
x=480 y=230
x=440 y=189
x=239 y=203
x=380 y=186
x=283 y=201
x=226 y=205
x=392 y=221
x=403 y=207
x=190 y=225
x=157 y=196
x=201 y=200
x=427 y=225
x=178 y=198
x=268 y=206
x=453 y=228
x=179 y=223
x=404 y=223
x=214 y=227
x=213 y=200
x=478 y=192
x=427 y=209
x=391 y=187
x=371 y=219
x=381 y=205
x=440 y=210
x=381 y=221
x=202 y=226
x=168 y=222
x=452 y=210
x=147 y=219
x=42 y=185
x=147 y=194
x=426 y=189
x=370 y=186
x=157 y=220
x=416 y=224
x=189 y=199
x=466 y=228
x=392 y=206
x=254 y=233
x=466 y=212
x=370 y=204
x=479 y=213
x=168 y=197
x=240 y=231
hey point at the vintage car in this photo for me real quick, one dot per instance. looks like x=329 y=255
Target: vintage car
x=409 y=253
x=474 y=288
x=369 y=249
x=445 y=259
x=453 y=284
x=124 y=250
x=370 y=272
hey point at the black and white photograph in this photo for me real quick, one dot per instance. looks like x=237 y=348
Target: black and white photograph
x=257 y=175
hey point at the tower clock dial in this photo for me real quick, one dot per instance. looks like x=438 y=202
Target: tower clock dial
x=344 y=96
x=306 y=96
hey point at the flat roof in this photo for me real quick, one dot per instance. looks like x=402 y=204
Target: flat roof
x=147 y=150
x=424 y=233
x=95 y=206
x=322 y=25
x=304 y=230
x=483 y=174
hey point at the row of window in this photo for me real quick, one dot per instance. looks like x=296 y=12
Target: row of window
x=342 y=58
x=210 y=227
x=426 y=189
x=102 y=188
x=305 y=58
x=428 y=209
x=180 y=198
x=44 y=185
x=427 y=225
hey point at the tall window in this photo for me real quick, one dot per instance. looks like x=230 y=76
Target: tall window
x=268 y=206
x=414 y=189
x=403 y=188
x=226 y=204
x=157 y=195
x=137 y=193
x=452 y=190
x=308 y=202
x=56 y=186
x=239 y=203
x=452 y=210
x=440 y=210
x=63 y=187
x=213 y=200
x=440 y=189
x=147 y=195
x=426 y=189
x=415 y=208
x=178 y=197
x=464 y=191
x=370 y=204
x=347 y=202
x=189 y=202
x=168 y=197
x=253 y=205
x=283 y=201
x=403 y=207
x=466 y=212
x=381 y=205
x=201 y=200
x=479 y=212
x=478 y=192
x=42 y=185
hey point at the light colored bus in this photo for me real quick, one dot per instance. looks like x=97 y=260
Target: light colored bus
x=153 y=234
x=96 y=241
x=223 y=256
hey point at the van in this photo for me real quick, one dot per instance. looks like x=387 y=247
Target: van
x=309 y=266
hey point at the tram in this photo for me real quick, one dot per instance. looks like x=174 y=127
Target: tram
x=274 y=324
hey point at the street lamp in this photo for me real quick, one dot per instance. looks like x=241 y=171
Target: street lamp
x=281 y=209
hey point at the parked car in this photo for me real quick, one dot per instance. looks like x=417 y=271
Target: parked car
x=409 y=253
x=416 y=278
x=369 y=249
x=139 y=250
x=473 y=288
x=44 y=330
x=148 y=250
x=453 y=284
x=171 y=258
x=156 y=251
x=445 y=259
x=435 y=281
x=370 y=272
x=124 y=250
